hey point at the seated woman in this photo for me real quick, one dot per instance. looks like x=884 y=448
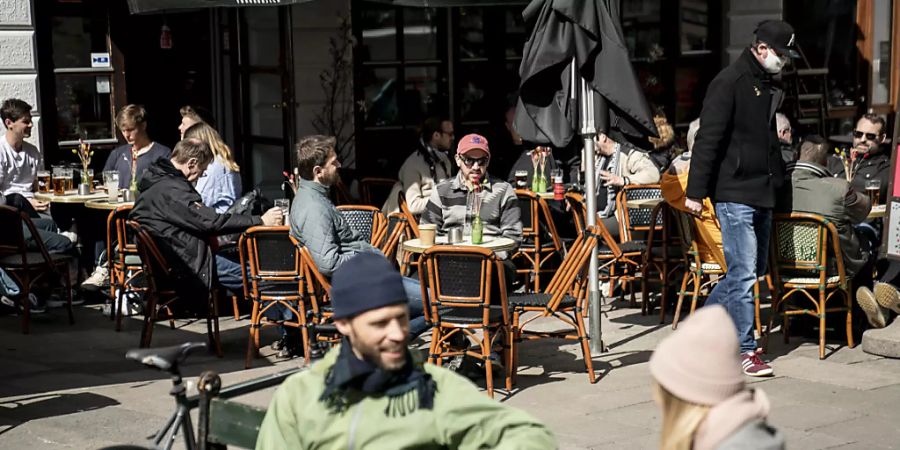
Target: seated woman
x=220 y=186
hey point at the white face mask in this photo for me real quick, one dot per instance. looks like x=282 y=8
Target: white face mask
x=772 y=63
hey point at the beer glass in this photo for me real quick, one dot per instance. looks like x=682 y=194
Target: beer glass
x=873 y=189
x=59 y=180
x=44 y=183
x=111 y=181
x=68 y=175
x=521 y=179
x=285 y=206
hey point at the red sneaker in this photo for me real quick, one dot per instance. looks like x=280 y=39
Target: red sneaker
x=755 y=367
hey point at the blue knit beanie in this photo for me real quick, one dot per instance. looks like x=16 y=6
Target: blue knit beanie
x=365 y=282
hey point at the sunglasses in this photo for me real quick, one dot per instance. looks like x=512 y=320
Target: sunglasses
x=870 y=136
x=469 y=162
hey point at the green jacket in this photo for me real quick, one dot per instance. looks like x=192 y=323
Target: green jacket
x=462 y=418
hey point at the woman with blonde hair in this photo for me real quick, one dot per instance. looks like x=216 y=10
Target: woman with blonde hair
x=699 y=387
x=220 y=186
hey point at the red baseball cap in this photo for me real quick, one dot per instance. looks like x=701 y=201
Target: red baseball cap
x=472 y=141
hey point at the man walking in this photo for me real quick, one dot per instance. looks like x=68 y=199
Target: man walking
x=737 y=163
x=371 y=392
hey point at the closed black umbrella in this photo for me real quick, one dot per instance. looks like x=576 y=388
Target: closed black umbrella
x=587 y=31
x=576 y=78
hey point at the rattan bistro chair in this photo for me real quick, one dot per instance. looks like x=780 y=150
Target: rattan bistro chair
x=540 y=240
x=700 y=273
x=274 y=280
x=460 y=303
x=161 y=294
x=123 y=260
x=807 y=263
x=368 y=221
x=27 y=266
x=317 y=296
x=563 y=298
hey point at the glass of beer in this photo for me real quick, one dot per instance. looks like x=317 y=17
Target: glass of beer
x=59 y=181
x=111 y=181
x=285 y=206
x=873 y=189
x=521 y=179
x=44 y=183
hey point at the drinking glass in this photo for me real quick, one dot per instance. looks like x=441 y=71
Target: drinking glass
x=59 y=180
x=285 y=206
x=44 y=183
x=111 y=181
x=873 y=189
x=68 y=176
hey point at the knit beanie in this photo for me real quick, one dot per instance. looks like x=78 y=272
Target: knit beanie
x=700 y=362
x=365 y=282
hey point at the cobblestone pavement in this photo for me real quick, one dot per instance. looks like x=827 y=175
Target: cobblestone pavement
x=68 y=386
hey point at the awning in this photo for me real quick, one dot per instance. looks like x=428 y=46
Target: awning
x=156 y=6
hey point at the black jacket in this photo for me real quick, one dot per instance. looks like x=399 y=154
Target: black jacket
x=173 y=213
x=736 y=157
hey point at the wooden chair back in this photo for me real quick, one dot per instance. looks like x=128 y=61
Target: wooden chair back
x=368 y=221
x=575 y=202
x=410 y=218
x=396 y=232
x=537 y=223
x=462 y=277
x=317 y=288
x=806 y=245
x=570 y=278
x=156 y=267
x=691 y=232
x=636 y=219
x=272 y=255
x=12 y=238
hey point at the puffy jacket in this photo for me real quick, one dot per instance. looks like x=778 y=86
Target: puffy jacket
x=461 y=418
x=173 y=213
x=322 y=229
x=736 y=155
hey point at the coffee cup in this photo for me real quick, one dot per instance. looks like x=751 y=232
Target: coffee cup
x=426 y=234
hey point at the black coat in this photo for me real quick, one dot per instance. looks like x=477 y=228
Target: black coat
x=875 y=167
x=172 y=211
x=736 y=157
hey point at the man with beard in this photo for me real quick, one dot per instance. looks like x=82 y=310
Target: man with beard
x=424 y=168
x=371 y=392
x=318 y=225
x=869 y=138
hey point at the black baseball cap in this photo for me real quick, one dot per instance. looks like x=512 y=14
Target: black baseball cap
x=778 y=35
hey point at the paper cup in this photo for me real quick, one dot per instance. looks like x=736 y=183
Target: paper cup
x=426 y=234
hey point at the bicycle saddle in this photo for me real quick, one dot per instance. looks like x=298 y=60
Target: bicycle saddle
x=165 y=358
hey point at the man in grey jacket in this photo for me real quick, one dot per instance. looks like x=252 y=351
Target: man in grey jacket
x=322 y=229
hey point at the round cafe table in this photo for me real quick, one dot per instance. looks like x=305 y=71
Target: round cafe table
x=105 y=204
x=495 y=243
x=644 y=203
x=69 y=197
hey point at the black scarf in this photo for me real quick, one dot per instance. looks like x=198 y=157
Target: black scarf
x=350 y=372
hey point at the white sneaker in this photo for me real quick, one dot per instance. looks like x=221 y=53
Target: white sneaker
x=130 y=303
x=99 y=279
x=70 y=236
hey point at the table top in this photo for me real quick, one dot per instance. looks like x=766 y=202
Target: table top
x=104 y=203
x=495 y=243
x=70 y=197
x=645 y=203
x=877 y=211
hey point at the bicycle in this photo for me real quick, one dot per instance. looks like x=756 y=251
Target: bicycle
x=168 y=359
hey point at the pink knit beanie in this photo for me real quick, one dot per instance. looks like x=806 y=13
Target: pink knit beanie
x=700 y=362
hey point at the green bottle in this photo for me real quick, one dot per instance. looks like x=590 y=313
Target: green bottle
x=477 y=230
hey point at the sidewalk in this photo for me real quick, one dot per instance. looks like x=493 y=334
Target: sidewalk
x=70 y=386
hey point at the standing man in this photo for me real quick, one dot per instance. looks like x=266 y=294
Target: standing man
x=427 y=166
x=737 y=163
x=371 y=392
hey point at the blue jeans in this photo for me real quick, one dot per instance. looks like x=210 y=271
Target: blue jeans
x=229 y=273
x=745 y=241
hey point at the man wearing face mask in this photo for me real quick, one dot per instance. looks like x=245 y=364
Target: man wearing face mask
x=737 y=163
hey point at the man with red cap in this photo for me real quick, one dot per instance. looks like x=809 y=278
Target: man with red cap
x=454 y=201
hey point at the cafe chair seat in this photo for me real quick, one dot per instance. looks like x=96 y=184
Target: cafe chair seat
x=539 y=300
x=469 y=316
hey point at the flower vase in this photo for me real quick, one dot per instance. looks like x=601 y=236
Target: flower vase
x=536 y=181
x=542 y=183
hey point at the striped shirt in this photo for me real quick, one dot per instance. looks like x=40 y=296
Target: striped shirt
x=451 y=202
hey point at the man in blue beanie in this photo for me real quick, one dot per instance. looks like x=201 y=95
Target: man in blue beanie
x=371 y=393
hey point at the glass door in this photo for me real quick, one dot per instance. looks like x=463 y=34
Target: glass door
x=266 y=112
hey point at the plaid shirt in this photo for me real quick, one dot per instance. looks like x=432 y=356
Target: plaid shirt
x=500 y=214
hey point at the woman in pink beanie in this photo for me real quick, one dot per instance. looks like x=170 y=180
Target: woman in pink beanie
x=700 y=389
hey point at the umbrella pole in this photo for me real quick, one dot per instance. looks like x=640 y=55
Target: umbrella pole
x=588 y=131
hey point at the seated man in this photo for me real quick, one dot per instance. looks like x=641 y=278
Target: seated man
x=424 y=168
x=132 y=122
x=810 y=188
x=373 y=391
x=321 y=228
x=618 y=165
x=451 y=203
x=171 y=210
x=869 y=140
